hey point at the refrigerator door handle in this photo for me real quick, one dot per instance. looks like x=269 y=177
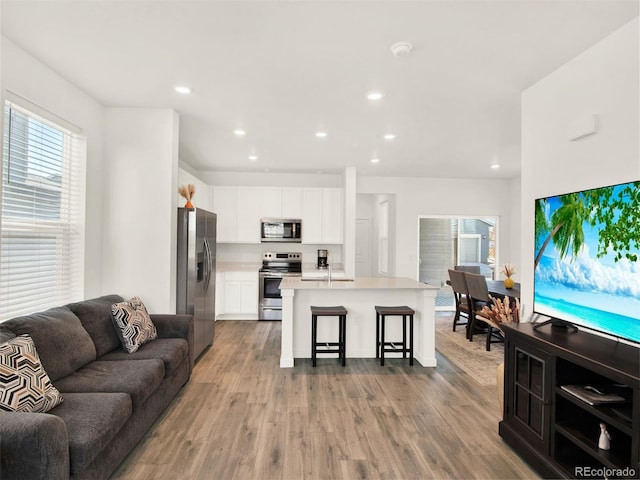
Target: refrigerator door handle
x=207 y=253
x=210 y=257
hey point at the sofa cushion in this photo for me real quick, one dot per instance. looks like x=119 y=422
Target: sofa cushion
x=138 y=378
x=63 y=344
x=24 y=385
x=172 y=351
x=133 y=324
x=92 y=420
x=95 y=316
x=6 y=334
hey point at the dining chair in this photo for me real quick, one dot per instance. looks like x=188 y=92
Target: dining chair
x=460 y=295
x=478 y=298
x=468 y=268
x=494 y=332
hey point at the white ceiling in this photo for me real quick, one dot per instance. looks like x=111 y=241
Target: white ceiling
x=284 y=69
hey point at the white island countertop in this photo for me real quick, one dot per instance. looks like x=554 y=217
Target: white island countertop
x=358 y=296
x=358 y=283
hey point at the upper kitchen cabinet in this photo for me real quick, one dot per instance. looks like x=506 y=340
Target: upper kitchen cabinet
x=240 y=209
x=271 y=202
x=282 y=202
x=225 y=204
x=322 y=215
x=291 y=202
x=250 y=211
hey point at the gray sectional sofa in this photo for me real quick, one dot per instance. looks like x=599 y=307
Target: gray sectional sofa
x=111 y=397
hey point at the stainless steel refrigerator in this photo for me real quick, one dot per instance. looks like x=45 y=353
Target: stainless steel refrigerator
x=196 y=273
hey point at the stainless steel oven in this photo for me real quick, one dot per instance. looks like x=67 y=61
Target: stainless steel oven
x=275 y=266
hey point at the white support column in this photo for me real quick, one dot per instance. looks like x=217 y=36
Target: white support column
x=286 y=347
x=426 y=331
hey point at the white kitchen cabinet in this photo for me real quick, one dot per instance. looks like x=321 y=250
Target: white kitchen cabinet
x=219 y=294
x=240 y=209
x=281 y=202
x=312 y=215
x=332 y=216
x=239 y=296
x=249 y=213
x=271 y=202
x=225 y=205
x=322 y=216
x=291 y=202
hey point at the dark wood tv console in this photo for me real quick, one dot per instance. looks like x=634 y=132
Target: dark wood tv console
x=553 y=430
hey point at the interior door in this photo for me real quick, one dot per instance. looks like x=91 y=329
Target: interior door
x=363 y=247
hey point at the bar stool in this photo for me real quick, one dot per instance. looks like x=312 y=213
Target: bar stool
x=383 y=346
x=338 y=347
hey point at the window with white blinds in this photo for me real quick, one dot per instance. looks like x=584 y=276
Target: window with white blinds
x=42 y=228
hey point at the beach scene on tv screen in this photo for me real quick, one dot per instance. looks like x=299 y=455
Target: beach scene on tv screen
x=587 y=259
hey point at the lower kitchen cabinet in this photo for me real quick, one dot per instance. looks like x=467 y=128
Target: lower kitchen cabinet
x=237 y=296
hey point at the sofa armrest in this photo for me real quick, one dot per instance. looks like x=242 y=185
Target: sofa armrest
x=176 y=326
x=33 y=445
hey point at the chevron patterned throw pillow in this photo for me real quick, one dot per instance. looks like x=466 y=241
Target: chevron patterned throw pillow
x=24 y=385
x=133 y=324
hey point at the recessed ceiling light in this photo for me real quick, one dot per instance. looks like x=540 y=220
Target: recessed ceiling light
x=321 y=134
x=253 y=158
x=239 y=132
x=375 y=95
x=375 y=160
x=495 y=166
x=389 y=136
x=184 y=90
x=401 y=49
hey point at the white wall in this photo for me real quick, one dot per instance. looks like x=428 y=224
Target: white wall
x=513 y=229
x=435 y=196
x=29 y=78
x=139 y=256
x=603 y=80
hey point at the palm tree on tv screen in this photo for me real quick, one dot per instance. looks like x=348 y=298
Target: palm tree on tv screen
x=617 y=213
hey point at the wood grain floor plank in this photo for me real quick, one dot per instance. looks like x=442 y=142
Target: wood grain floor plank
x=243 y=417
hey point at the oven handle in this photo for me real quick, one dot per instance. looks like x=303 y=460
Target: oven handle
x=279 y=275
x=271 y=309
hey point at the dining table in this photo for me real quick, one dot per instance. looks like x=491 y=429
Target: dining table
x=497 y=289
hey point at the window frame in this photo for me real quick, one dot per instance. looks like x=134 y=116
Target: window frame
x=37 y=285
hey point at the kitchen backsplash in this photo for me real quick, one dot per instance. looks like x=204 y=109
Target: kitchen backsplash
x=252 y=253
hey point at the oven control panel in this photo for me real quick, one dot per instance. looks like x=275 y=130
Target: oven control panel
x=279 y=256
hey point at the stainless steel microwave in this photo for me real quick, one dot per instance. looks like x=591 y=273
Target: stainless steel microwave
x=280 y=230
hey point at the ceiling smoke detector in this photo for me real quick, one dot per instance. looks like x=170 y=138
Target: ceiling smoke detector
x=401 y=49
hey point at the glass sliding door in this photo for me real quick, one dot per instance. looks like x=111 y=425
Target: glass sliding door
x=448 y=241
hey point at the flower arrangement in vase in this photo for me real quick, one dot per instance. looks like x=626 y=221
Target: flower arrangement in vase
x=508 y=269
x=187 y=192
x=502 y=311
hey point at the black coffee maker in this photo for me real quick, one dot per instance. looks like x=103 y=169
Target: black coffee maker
x=323 y=258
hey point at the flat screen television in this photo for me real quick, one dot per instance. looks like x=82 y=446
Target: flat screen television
x=587 y=259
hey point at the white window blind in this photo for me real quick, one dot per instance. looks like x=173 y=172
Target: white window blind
x=42 y=228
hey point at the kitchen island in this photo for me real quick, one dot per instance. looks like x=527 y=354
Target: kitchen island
x=358 y=296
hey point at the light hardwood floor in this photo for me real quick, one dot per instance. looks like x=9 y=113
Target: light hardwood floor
x=243 y=417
